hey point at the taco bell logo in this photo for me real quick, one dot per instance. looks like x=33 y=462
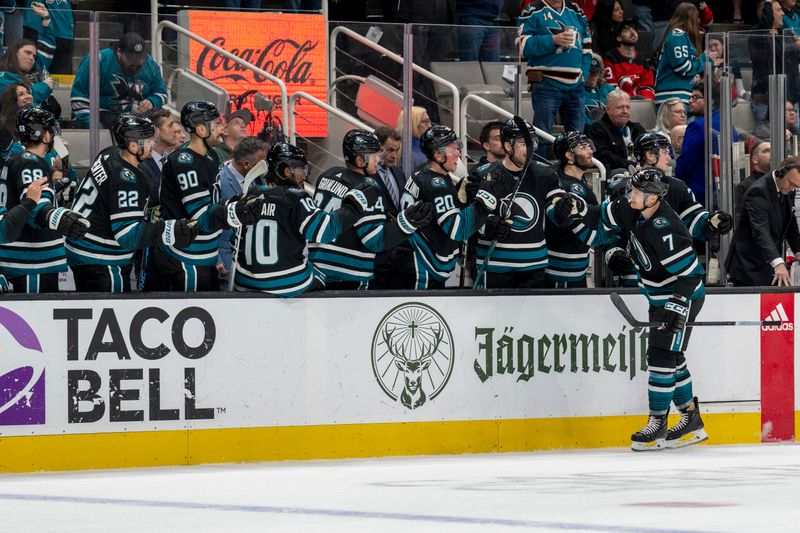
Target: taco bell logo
x=21 y=373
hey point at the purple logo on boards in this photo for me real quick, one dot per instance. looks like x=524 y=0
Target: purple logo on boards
x=21 y=373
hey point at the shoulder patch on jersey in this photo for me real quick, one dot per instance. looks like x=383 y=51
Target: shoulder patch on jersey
x=438 y=183
x=660 y=222
x=185 y=157
x=370 y=181
x=678 y=31
x=578 y=189
x=127 y=175
x=28 y=155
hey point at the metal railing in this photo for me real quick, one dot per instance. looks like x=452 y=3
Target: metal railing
x=327 y=107
x=282 y=86
x=394 y=57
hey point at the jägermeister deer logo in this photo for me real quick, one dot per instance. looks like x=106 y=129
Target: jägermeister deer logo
x=412 y=354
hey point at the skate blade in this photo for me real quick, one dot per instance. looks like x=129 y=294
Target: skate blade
x=652 y=446
x=695 y=437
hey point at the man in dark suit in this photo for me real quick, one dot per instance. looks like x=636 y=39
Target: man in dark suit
x=760 y=161
x=614 y=134
x=756 y=257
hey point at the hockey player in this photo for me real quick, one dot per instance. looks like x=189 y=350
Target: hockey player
x=519 y=258
x=114 y=197
x=12 y=222
x=186 y=192
x=671 y=278
x=625 y=68
x=270 y=254
x=349 y=262
x=32 y=262
x=568 y=247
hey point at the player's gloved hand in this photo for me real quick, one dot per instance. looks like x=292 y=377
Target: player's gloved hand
x=484 y=195
x=563 y=204
x=719 y=222
x=466 y=189
x=244 y=211
x=677 y=313
x=497 y=228
x=618 y=260
x=362 y=197
x=415 y=216
x=67 y=223
x=177 y=233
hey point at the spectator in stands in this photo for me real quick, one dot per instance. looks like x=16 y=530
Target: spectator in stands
x=555 y=40
x=18 y=69
x=715 y=49
x=613 y=135
x=13 y=98
x=676 y=136
x=607 y=17
x=762 y=129
x=52 y=29
x=760 y=163
x=681 y=59
x=130 y=81
x=664 y=10
x=420 y=121
x=643 y=12
x=625 y=68
x=291 y=5
x=671 y=113
x=596 y=91
x=476 y=40
x=491 y=144
x=166 y=141
x=234 y=131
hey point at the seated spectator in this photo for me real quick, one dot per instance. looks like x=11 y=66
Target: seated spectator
x=234 y=131
x=596 y=91
x=12 y=98
x=477 y=41
x=491 y=144
x=613 y=135
x=18 y=69
x=130 y=81
x=681 y=59
x=762 y=129
x=760 y=163
x=625 y=68
x=607 y=16
x=52 y=29
x=676 y=136
x=671 y=113
x=419 y=123
x=715 y=49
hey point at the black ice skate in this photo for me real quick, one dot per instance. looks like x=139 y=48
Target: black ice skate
x=689 y=429
x=652 y=436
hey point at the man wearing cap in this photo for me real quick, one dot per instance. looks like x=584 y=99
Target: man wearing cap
x=130 y=81
x=234 y=131
x=596 y=90
x=625 y=68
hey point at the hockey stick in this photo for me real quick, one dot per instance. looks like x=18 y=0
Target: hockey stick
x=616 y=299
x=258 y=170
x=526 y=135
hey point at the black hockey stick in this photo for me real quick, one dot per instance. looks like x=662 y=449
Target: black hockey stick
x=616 y=299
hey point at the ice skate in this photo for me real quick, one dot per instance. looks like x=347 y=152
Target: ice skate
x=689 y=429
x=652 y=436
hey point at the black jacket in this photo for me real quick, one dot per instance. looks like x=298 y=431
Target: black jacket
x=400 y=180
x=738 y=194
x=768 y=220
x=611 y=149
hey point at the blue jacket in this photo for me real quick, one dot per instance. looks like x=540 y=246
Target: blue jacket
x=229 y=186
x=485 y=9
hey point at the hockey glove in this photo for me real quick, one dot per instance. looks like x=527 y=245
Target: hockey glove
x=67 y=223
x=362 y=197
x=677 y=313
x=497 y=228
x=619 y=261
x=416 y=216
x=485 y=197
x=719 y=222
x=177 y=233
x=244 y=211
x=563 y=204
x=64 y=188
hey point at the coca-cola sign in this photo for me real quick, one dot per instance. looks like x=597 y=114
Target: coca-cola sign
x=292 y=48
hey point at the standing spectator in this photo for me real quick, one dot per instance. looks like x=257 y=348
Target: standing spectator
x=613 y=135
x=234 y=131
x=555 y=39
x=596 y=91
x=643 y=12
x=760 y=163
x=607 y=17
x=7 y=8
x=671 y=113
x=767 y=224
x=477 y=41
x=53 y=30
x=681 y=59
x=420 y=122
x=491 y=144
x=663 y=11
x=18 y=68
x=130 y=81
x=625 y=68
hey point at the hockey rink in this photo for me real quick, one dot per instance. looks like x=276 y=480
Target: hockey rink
x=703 y=488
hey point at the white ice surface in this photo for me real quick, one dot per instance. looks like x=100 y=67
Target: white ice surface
x=702 y=488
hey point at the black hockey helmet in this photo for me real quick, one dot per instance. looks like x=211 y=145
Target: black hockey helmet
x=435 y=139
x=649 y=142
x=359 y=142
x=510 y=132
x=281 y=155
x=132 y=128
x=33 y=122
x=198 y=112
x=617 y=184
x=650 y=181
x=567 y=142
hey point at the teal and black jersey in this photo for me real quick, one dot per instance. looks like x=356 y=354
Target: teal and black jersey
x=525 y=247
x=187 y=191
x=437 y=244
x=661 y=248
x=62 y=26
x=38 y=249
x=112 y=197
x=351 y=257
x=568 y=248
x=694 y=216
x=560 y=66
x=678 y=65
x=119 y=92
x=271 y=254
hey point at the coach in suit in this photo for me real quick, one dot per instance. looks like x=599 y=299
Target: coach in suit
x=767 y=223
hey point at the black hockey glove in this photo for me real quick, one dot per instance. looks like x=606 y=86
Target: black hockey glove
x=177 y=233
x=677 y=313
x=416 y=216
x=362 y=197
x=619 y=261
x=67 y=223
x=243 y=211
x=484 y=195
x=563 y=205
x=719 y=222
x=497 y=228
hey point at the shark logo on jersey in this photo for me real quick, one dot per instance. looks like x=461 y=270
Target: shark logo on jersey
x=660 y=222
x=412 y=354
x=185 y=157
x=524 y=214
x=578 y=189
x=438 y=183
x=127 y=175
x=643 y=262
x=127 y=93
